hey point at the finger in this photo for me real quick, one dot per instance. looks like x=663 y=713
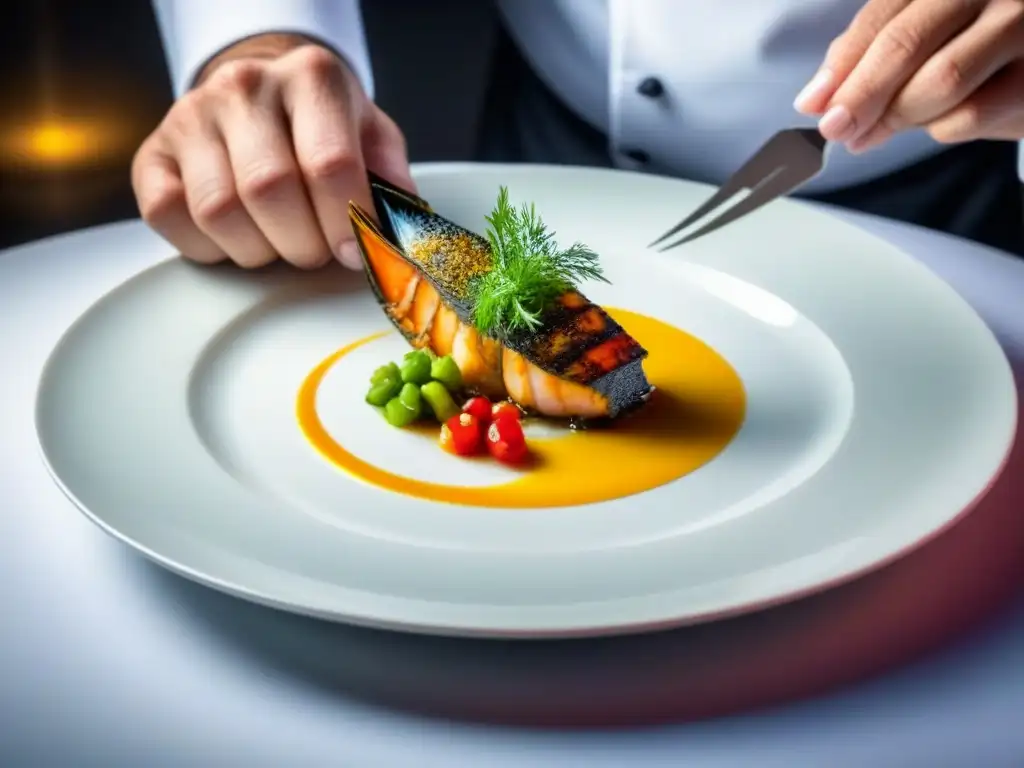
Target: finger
x=903 y=45
x=268 y=179
x=961 y=67
x=325 y=118
x=875 y=137
x=160 y=193
x=212 y=197
x=994 y=111
x=384 y=150
x=844 y=53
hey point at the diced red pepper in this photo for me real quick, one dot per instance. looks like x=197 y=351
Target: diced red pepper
x=480 y=407
x=462 y=434
x=506 y=441
x=505 y=410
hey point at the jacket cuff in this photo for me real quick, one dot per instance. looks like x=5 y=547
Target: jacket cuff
x=194 y=31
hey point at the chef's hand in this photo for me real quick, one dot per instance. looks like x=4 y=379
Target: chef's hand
x=953 y=67
x=260 y=159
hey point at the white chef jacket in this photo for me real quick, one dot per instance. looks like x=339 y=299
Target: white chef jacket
x=730 y=69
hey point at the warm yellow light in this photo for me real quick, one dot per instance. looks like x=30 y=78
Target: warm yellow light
x=63 y=144
x=60 y=143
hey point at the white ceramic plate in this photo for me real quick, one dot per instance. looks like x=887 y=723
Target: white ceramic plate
x=879 y=409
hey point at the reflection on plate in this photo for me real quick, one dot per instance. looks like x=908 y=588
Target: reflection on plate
x=836 y=405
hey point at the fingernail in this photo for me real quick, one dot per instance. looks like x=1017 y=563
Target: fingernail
x=860 y=145
x=349 y=255
x=867 y=142
x=815 y=90
x=837 y=124
x=412 y=185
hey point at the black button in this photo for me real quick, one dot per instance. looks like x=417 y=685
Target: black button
x=638 y=155
x=651 y=87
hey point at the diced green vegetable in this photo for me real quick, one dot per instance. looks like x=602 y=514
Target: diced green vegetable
x=400 y=389
x=397 y=414
x=410 y=398
x=445 y=370
x=416 y=368
x=389 y=371
x=439 y=400
x=383 y=391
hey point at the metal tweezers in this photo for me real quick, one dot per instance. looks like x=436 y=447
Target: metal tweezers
x=787 y=160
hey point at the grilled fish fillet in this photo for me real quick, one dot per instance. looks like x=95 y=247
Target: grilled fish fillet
x=579 y=364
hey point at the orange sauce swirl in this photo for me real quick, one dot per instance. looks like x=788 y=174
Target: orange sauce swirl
x=698 y=407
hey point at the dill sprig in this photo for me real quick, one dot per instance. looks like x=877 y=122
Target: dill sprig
x=529 y=270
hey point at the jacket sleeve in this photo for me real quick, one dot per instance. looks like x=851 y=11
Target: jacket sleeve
x=194 y=31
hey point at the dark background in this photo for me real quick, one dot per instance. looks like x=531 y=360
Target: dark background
x=103 y=64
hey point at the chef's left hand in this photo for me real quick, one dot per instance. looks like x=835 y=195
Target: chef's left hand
x=953 y=67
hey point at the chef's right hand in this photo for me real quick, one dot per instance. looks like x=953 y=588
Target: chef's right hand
x=260 y=159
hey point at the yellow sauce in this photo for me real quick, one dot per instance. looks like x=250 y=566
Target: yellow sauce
x=696 y=410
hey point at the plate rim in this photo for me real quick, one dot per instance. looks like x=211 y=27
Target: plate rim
x=448 y=629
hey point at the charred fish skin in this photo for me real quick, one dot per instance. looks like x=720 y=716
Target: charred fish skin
x=626 y=388
x=450 y=256
x=382 y=189
x=576 y=340
x=580 y=342
x=380 y=184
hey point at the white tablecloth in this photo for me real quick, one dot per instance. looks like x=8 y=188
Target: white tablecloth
x=108 y=661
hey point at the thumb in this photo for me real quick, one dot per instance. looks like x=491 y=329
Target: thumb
x=384 y=150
